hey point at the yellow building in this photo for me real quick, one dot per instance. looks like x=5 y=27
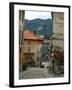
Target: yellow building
x=32 y=45
x=58 y=29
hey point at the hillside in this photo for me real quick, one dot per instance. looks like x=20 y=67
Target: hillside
x=41 y=26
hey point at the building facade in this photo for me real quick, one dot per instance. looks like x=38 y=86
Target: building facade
x=58 y=29
x=21 y=28
x=57 y=43
x=31 y=48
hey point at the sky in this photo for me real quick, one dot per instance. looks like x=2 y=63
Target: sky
x=35 y=14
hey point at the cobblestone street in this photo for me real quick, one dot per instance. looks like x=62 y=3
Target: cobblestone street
x=34 y=72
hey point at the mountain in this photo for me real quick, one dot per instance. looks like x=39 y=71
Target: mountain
x=41 y=26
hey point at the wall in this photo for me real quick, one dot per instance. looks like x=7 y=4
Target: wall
x=4 y=45
x=58 y=29
x=33 y=47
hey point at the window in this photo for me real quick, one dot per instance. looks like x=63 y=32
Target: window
x=29 y=43
x=29 y=49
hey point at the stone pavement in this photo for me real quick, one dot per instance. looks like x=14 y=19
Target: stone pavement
x=34 y=72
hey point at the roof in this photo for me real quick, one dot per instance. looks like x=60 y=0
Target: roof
x=29 y=35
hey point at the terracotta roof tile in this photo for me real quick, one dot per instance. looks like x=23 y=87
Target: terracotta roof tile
x=31 y=36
